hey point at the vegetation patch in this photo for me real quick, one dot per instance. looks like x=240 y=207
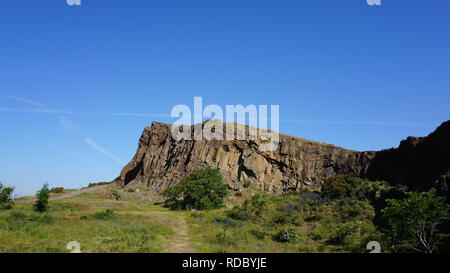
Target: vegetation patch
x=201 y=190
x=6 y=202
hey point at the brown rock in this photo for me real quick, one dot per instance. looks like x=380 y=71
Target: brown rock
x=161 y=161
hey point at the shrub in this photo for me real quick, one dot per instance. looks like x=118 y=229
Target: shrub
x=42 y=195
x=202 y=189
x=285 y=219
x=239 y=213
x=57 y=190
x=414 y=222
x=281 y=219
x=15 y=220
x=196 y=214
x=259 y=203
x=116 y=195
x=349 y=186
x=43 y=219
x=105 y=215
x=5 y=197
x=258 y=234
x=98 y=184
x=222 y=239
x=288 y=235
x=352 y=208
x=355 y=235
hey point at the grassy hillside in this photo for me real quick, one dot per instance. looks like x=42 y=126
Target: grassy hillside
x=340 y=221
x=291 y=223
x=87 y=219
x=100 y=223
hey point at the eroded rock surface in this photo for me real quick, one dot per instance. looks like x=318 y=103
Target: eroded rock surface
x=161 y=161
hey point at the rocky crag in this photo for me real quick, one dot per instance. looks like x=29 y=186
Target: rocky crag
x=161 y=161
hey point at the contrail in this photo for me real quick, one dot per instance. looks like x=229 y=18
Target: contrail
x=91 y=142
x=68 y=124
x=121 y=114
x=382 y=123
x=63 y=121
x=27 y=101
x=50 y=111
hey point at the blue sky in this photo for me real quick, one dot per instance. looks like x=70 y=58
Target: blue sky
x=343 y=72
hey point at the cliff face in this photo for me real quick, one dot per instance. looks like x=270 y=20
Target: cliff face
x=419 y=162
x=161 y=161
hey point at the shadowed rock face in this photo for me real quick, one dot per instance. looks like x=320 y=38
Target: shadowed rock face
x=419 y=162
x=296 y=164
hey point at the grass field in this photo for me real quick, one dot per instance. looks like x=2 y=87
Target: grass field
x=85 y=219
x=102 y=224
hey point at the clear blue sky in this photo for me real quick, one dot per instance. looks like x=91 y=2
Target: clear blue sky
x=343 y=72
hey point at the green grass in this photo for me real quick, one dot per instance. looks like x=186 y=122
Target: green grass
x=258 y=230
x=102 y=224
x=76 y=219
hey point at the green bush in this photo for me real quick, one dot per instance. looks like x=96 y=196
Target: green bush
x=15 y=220
x=285 y=219
x=288 y=235
x=349 y=186
x=202 y=189
x=43 y=219
x=224 y=240
x=354 y=236
x=98 y=184
x=116 y=195
x=350 y=209
x=239 y=213
x=414 y=222
x=105 y=215
x=42 y=195
x=5 y=197
x=57 y=190
x=258 y=234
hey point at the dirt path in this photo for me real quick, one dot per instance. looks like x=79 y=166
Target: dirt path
x=179 y=243
x=66 y=195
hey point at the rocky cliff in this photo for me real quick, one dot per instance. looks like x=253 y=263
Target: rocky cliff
x=419 y=162
x=296 y=164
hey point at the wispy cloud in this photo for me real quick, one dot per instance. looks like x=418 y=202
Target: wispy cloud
x=68 y=124
x=346 y=122
x=123 y=114
x=102 y=150
x=51 y=111
x=63 y=121
x=27 y=101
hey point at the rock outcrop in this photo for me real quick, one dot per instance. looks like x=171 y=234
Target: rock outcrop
x=296 y=164
x=419 y=162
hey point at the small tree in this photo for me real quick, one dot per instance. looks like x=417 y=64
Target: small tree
x=202 y=189
x=352 y=187
x=5 y=197
x=413 y=222
x=42 y=195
